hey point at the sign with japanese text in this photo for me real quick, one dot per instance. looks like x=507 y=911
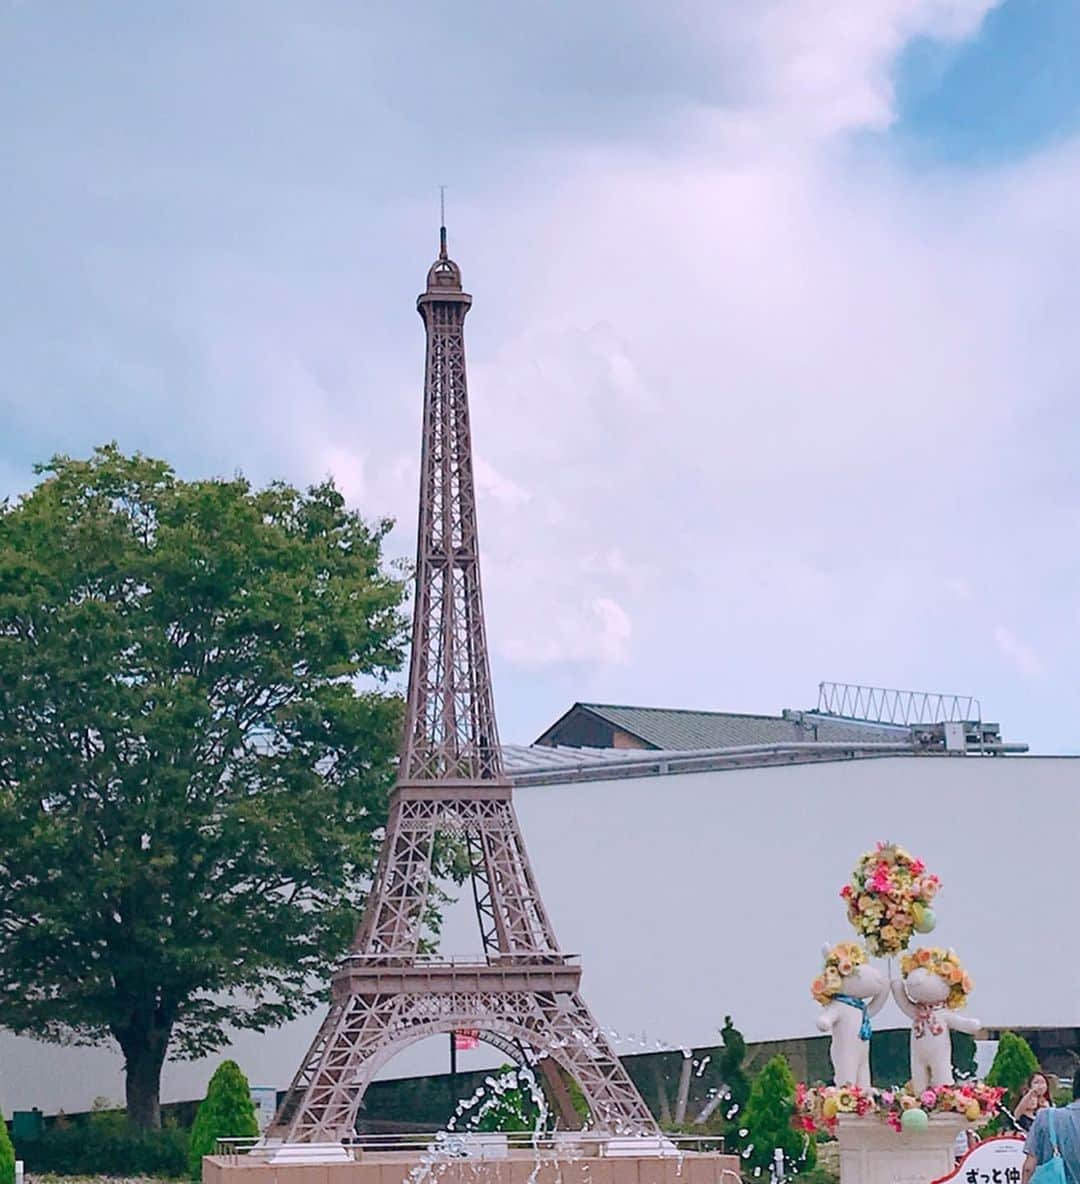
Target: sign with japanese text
x=998 y=1160
x=466 y=1038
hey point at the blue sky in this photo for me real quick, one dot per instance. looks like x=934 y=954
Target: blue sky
x=772 y=355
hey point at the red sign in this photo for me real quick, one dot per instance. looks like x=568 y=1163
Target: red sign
x=466 y=1038
x=997 y=1160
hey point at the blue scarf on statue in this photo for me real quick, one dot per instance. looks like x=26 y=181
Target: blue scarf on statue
x=865 y=1027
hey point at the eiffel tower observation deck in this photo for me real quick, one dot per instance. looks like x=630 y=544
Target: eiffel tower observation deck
x=522 y=995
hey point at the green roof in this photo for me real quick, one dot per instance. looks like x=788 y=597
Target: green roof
x=675 y=728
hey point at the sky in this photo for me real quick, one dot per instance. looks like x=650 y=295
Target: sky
x=773 y=351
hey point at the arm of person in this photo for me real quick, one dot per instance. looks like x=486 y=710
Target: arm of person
x=1037 y=1146
x=1026 y=1104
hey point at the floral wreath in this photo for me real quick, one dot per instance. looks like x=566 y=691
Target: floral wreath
x=945 y=964
x=817 y=1108
x=840 y=961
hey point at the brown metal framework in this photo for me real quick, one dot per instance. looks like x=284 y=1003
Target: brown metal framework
x=523 y=993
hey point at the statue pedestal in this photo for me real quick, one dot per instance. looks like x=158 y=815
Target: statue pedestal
x=871 y=1152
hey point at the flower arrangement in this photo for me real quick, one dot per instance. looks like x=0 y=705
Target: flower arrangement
x=818 y=1108
x=945 y=964
x=888 y=898
x=840 y=961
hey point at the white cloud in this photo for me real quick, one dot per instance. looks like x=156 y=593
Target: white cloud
x=807 y=70
x=1021 y=655
x=599 y=630
x=489 y=480
x=835 y=364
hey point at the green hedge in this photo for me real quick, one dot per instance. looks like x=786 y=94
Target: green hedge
x=7 y=1155
x=106 y=1149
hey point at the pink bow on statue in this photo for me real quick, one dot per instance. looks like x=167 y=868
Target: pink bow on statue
x=926 y=1022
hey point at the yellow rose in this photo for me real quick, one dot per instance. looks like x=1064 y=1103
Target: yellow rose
x=829 y=1107
x=972 y=1113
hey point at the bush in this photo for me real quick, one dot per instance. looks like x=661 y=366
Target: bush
x=105 y=1148
x=7 y=1155
x=1014 y=1063
x=767 y=1120
x=732 y=1053
x=508 y=1105
x=227 y=1112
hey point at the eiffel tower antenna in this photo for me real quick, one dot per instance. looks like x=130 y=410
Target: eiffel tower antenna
x=522 y=992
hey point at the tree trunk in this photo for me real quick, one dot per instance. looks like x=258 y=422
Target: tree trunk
x=144 y=1055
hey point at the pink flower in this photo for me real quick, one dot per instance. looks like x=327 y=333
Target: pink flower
x=887 y=1096
x=928 y=1097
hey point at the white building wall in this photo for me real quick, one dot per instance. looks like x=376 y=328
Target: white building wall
x=694 y=895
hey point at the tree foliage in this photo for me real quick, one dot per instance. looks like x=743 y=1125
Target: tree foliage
x=227 y=1112
x=189 y=778
x=7 y=1155
x=732 y=1055
x=767 y=1120
x=735 y=1080
x=508 y=1104
x=1014 y=1063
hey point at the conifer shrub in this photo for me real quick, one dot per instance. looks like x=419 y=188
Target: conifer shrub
x=7 y=1155
x=767 y=1122
x=227 y=1112
x=1014 y=1063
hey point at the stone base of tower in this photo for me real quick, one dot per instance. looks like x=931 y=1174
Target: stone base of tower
x=517 y=1167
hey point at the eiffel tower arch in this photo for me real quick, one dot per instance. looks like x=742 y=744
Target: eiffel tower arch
x=522 y=991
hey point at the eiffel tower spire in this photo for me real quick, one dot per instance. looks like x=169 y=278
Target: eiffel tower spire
x=450 y=729
x=522 y=992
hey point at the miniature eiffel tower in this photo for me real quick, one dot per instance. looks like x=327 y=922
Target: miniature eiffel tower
x=522 y=994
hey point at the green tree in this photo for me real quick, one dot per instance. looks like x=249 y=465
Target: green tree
x=767 y=1120
x=1014 y=1062
x=732 y=1055
x=189 y=777
x=7 y=1155
x=227 y=1112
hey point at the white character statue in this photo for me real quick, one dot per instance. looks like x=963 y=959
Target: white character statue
x=850 y=991
x=931 y=988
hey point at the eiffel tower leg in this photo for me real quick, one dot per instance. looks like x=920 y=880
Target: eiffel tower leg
x=575 y=1041
x=559 y=1095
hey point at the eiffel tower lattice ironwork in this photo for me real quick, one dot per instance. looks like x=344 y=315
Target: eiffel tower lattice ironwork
x=523 y=992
